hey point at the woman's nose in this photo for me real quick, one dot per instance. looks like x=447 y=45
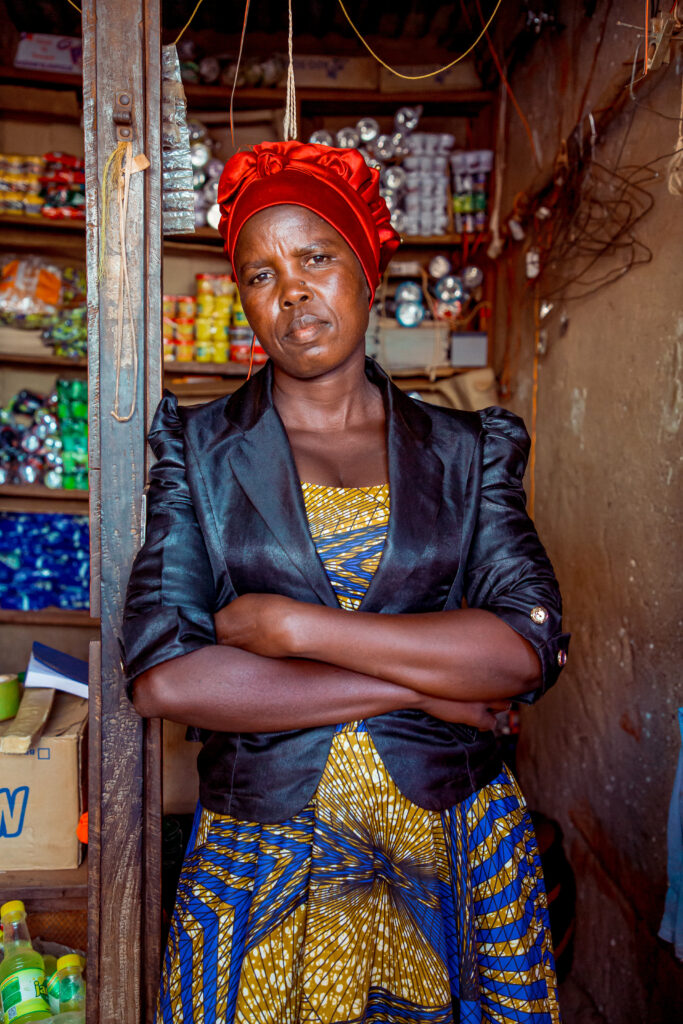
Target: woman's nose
x=294 y=290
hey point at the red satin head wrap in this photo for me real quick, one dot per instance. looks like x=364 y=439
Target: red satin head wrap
x=336 y=184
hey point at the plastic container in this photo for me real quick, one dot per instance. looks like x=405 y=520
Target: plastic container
x=71 y=983
x=22 y=972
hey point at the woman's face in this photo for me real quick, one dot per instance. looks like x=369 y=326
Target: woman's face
x=303 y=290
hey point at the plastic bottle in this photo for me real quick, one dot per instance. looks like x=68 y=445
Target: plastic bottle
x=71 y=983
x=22 y=972
x=51 y=981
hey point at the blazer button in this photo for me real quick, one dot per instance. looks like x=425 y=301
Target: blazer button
x=561 y=658
x=539 y=614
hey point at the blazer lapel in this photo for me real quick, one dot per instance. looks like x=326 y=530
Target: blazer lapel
x=415 y=493
x=262 y=462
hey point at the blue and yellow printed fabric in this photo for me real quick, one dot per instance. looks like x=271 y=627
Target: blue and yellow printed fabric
x=363 y=907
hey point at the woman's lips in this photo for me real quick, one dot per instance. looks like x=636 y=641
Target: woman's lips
x=305 y=328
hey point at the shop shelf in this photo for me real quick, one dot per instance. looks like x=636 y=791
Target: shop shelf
x=217 y=97
x=39 y=361
x=176 y=369
x=49 y=617
x=47 y=890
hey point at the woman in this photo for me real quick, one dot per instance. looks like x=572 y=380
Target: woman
x=359 y=852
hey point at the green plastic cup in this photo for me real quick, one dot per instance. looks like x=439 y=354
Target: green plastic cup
x=9 y=696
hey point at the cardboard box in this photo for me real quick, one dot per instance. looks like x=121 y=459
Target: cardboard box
x=44 y=52
x=461 y=76
x=42 y=793
x=325 y=72
x=409 y=348
x=469 y=348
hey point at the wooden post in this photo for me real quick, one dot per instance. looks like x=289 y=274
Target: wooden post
x=121 y=60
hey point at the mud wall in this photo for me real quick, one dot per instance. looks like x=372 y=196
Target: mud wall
x=599 y=752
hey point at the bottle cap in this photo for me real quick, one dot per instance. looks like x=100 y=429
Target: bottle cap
x=70 y=960
x=11 y=908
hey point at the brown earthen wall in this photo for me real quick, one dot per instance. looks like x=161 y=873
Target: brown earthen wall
x=599 y=752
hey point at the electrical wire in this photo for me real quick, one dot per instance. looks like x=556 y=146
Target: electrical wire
x=508 y=87
x=428 y=74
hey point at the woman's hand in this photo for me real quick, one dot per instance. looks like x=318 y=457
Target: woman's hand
x=259 y=623
x=466 y=712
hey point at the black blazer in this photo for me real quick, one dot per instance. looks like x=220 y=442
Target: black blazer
x=226 y=517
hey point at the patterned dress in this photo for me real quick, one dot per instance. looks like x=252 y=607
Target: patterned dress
x=363 y=907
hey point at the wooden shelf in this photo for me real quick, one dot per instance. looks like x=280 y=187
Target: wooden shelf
x=217 y=97
x=40 y=491
x=49 y=617
x=69 y=227
x=176 y=369
x=32 y=76
x=38 y=498
x=209 y=237
x=47 y=890
x=40 y=361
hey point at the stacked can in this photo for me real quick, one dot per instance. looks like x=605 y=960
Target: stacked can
x=215 y=300
x=45 y=440
x=197 y=328
x=413 y=168
x=44 y=561
x=470 y=170
x=20 y=184
x=72 y=413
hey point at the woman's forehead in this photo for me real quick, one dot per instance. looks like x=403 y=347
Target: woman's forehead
x=285 y=222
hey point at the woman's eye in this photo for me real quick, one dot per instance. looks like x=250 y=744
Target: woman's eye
x=257 y=278
x=319 y=258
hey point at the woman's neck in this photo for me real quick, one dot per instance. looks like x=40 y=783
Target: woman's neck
x=334 y=401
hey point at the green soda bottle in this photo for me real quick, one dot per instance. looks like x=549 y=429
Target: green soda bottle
x=51 y=981
x=22 y=972
x=71 y=983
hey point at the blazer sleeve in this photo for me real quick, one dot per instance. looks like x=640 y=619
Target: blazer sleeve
x=171 y=591
x=508 y=571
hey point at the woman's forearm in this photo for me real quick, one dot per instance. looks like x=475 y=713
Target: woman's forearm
x=226 y=689
x=469 y=654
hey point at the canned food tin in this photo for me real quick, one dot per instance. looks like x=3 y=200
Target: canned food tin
x=204 y=284
x=220 y=328
x=222 y=305
x=238 y=317
x=221 y=351
x=169 y=305
x=205 y=304
x=186 y=305
x=240 y=352
x=203 y=328
x=169 y=350
x=184 y=350
x=184 y=328
x=204 y=350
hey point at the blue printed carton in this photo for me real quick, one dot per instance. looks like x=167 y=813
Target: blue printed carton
x=42 y=793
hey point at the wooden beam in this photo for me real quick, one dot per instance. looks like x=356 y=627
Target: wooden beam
x=121 y=55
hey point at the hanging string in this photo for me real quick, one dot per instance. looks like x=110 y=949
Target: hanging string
x=112 y=172
x=429 y=74
x=128 y=358
x=237 y=69
x=187 y=24
x=119 y=167
x=289 y=127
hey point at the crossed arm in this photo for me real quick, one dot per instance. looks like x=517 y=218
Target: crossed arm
x=282 y=664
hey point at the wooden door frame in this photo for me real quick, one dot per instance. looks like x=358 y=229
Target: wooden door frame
x=121 y=52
